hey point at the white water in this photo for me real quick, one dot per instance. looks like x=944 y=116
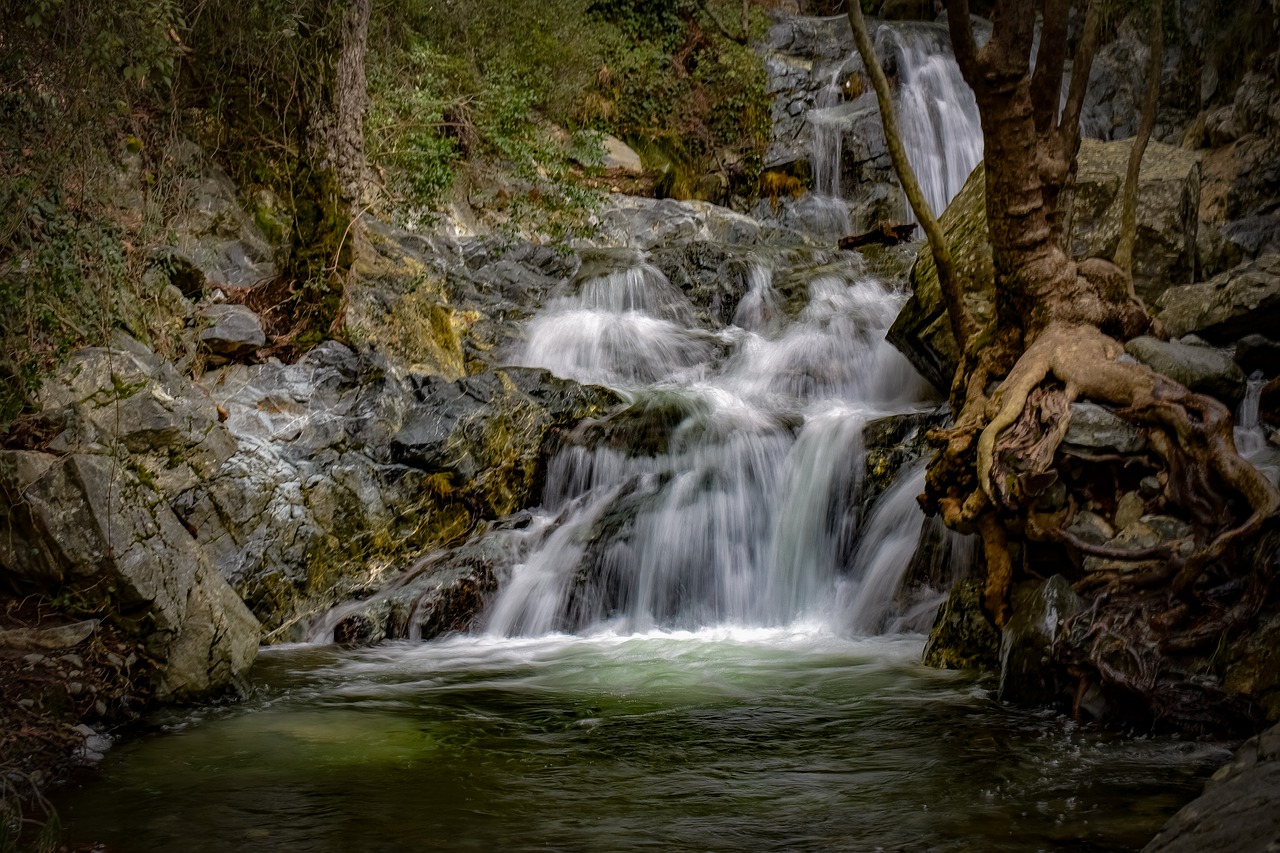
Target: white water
x=936 y=111
x=748 y=516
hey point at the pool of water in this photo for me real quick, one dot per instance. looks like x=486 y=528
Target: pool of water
x=721 y=740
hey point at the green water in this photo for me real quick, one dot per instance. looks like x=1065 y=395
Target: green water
x=716 y=741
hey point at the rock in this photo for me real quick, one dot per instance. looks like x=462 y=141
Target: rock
x=1239 y=811
x=1097 y=430
x=1091 y=527
x=963 y=636
x=1129 y=509
x=1238 y=217
x=619 y=155
x=1258 y=354
x=892 y=444
x=442 y=593
x=1147 y=531
x=234 y=331
x=643 y=223
x=58 y=637
x=1026 y=646
x=1253 y=668
x=90 y=528
x=1200 y=368
x=1242 y=301
x=714 y=276
x=214 y=240
x=1164 y=254
x=128 y=394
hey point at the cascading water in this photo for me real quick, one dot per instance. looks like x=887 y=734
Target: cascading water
x=698 y=641
x=748 y=513
x=937 y=115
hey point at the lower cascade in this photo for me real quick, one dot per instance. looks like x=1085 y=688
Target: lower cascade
x=728 y=493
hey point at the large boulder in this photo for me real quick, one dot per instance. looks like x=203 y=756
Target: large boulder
x=1239 y=811
x=1026 y=644
x=1203 y=369
x=1165 y=253
x=1242 y=301
x=88 y=529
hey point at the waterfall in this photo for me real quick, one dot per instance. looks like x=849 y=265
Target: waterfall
x=936 y=111
x=938 y=115
x=1249 y=436
x=745 y=512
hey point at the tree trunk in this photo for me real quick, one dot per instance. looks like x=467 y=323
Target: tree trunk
x=330 y=176
x=1057 y=337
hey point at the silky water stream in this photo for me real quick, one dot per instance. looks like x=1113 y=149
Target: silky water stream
x=703 y=640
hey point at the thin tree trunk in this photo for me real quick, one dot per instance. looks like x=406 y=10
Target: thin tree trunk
x=963 y=326
x=330 y=180
x=1129 y=208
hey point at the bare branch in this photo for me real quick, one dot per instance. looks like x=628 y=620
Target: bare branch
x=1070 y=125
x=963 y=44
x=1129 y=208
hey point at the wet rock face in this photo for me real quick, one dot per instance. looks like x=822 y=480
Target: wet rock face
x=1027 y=676
x=891 y=444
x=963 y=636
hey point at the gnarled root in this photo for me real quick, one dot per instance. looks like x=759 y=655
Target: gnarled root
x=1197 y=441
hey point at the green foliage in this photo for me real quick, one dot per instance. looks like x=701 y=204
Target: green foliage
x=678 y=86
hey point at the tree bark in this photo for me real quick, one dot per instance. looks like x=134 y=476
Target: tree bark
x=330 y=177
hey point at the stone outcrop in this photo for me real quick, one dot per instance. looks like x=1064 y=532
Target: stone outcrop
x=1239 y=811
x=1165 y=253
x=1242 y=301
x=86 y=525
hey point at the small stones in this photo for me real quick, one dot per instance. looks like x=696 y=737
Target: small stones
x=1129 y=509
x=1150 y=487
x=1091 y=527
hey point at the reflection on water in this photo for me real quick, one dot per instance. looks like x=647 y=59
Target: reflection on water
x=717 y=740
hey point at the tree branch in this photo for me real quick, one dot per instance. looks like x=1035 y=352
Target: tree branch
x=1080 y=69
x=1046 y=82
x=1129 y=209
x=963 y=326
x=963 y=44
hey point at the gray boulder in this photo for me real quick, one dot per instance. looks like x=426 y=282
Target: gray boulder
x=232 y=331
x=1096 y=429
x=1242 y=301
x=89 y=528
x=1239 y=811
x=1200 y=368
